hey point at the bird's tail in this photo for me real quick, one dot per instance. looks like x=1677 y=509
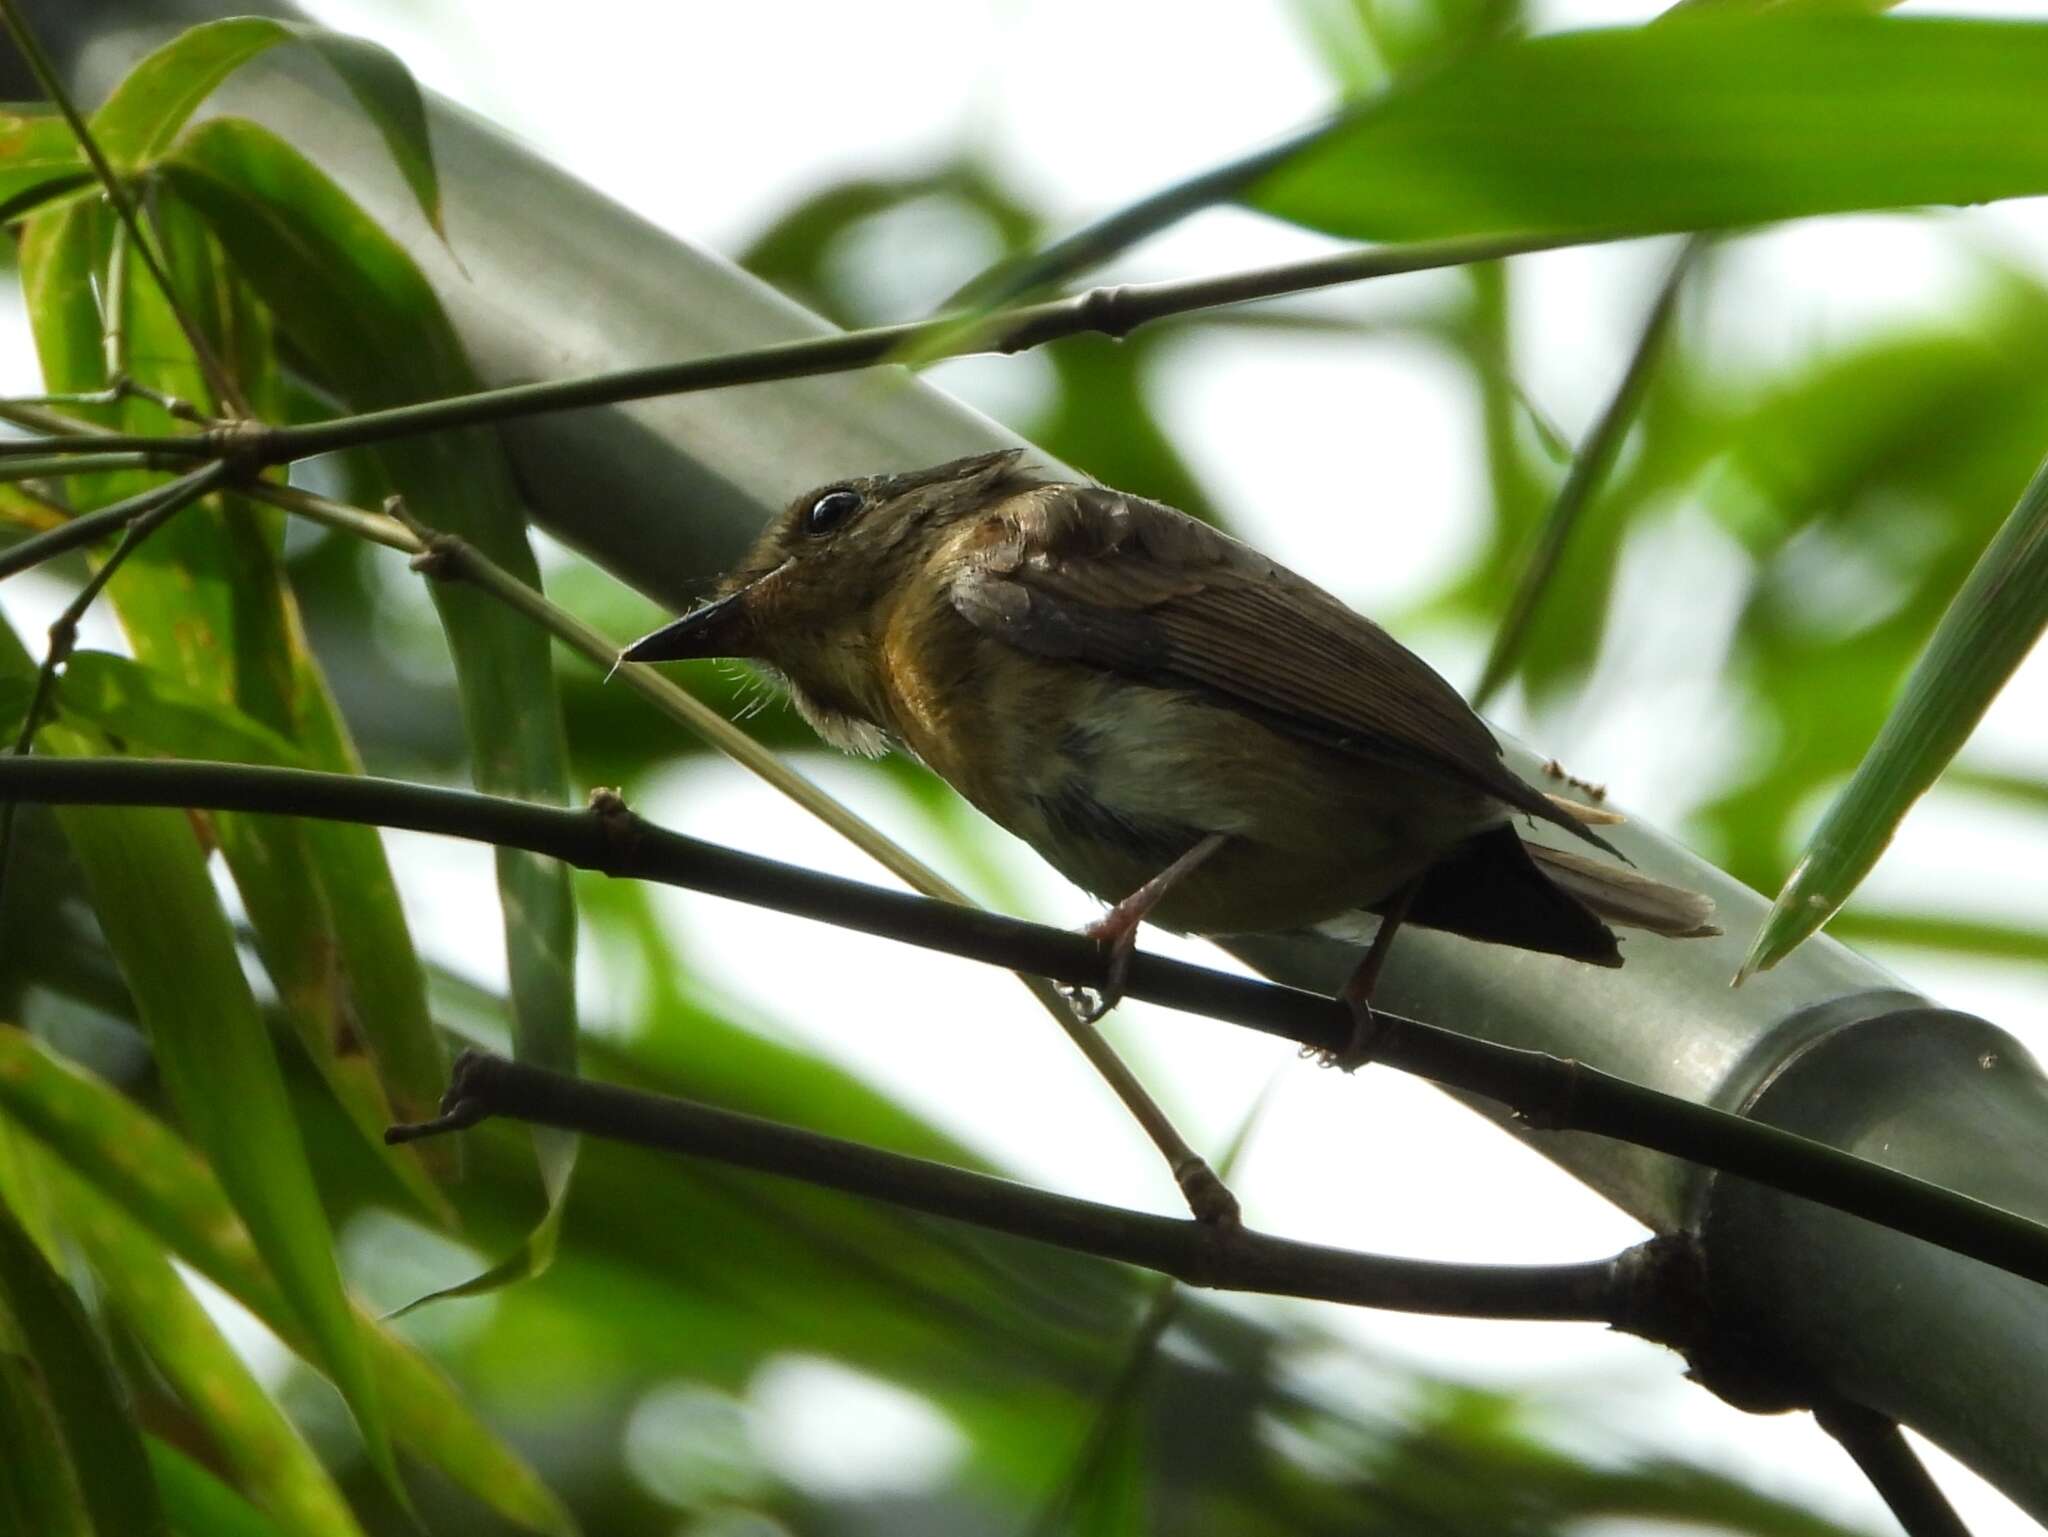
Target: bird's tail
x=1628 y=897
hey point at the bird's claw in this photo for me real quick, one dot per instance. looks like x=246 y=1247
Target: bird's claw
x=1119 y=938
x=1368 y=1031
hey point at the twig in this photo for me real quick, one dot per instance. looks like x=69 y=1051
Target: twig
x=1900 y=1477
x=1094 y=243
x=90 y=526
x=122 y=387
x=1197 y=1253
x=1550 y=1092
x=1113 y=311
x=225 y=391
x=169 y=500
x=40 y=466
x=1589 y=468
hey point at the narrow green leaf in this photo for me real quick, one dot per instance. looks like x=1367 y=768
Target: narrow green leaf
x=269 y=1457
x=1709 y=125
x=357 y=307
x=1990 y=627
x=1937 y=931
x=159 y=95
x=39 y=1487
x=2024 y=789
x=36 y=150
x=38 y=194
x=156 y=1177
x=163 y=922
x=1718 y=8
x=198 y=1504
x=285 y=871
x=1582 y=482
x=205 y=603
x=73 y=1370
x=147 y=877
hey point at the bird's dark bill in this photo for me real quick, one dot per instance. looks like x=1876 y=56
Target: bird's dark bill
x=717 y=629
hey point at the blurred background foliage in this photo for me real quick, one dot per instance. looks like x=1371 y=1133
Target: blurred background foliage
x=694 y=1314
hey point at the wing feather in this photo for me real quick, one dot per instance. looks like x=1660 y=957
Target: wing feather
x=1088 y=574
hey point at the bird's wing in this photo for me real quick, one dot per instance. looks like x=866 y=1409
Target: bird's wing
x=1091 y=575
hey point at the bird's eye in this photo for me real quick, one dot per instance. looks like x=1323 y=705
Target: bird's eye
x=831 y=512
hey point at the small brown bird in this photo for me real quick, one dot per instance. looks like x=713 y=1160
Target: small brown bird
x=1178 y=724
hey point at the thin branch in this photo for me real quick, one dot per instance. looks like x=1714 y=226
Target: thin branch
x=1095 y=243
x=1112 y=311
x=51 y=466
x=1589 y=468
x=91 y=526
x=169 y=501
x=1549 y=1092
x=1900 y=1477
x=218 y=379
x=1200 y=1254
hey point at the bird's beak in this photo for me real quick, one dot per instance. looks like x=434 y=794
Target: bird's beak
x=720 y=628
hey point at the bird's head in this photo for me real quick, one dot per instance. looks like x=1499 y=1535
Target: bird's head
x=807 y=600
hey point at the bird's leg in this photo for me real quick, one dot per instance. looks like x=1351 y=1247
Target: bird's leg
x=1117 y=929
x=1366 y=1026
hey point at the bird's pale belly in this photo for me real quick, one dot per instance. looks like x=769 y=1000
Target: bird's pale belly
x=1111 y=780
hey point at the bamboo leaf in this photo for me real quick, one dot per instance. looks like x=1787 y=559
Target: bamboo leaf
x=1659 y=128
x=1718 y=8
x=269 y=1457
x=163 y=922
x=39 y=160
x=74 y=1373
x=39 y=1486
x=206 y=606
x=354 y=303
x=1938 y=931
x=159 y=95
x=159 y=1181
x=348 y=1007
x=198 y=1504
x=1990 y=627
x=146 y=875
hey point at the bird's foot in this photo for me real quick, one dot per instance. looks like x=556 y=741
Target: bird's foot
x=1369 y=1031
x=1117 y=932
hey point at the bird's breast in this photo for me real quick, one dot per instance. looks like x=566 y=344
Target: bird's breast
x=1110 y=779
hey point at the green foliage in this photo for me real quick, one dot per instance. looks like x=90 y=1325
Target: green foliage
x=1706 y=126
x=161 y=1109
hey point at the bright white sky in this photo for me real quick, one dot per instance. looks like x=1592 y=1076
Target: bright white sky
x=711 y=122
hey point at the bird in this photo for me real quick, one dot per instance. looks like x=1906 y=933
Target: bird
x=1180 y=725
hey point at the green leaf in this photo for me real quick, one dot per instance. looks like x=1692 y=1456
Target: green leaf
x=146 y=874
x=355 y=305
x=347 y=995
x=142 y=117
x=1709 y=125
x=39 y=1487
x=206 y=606
x=1685 y=9
x=157 y=1179
x=269 y=1457
x=199 y=1504
x=75 y=1374
x=1936 y=931
x=1590 y=468
x=39 y=159
x=1989 y=629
